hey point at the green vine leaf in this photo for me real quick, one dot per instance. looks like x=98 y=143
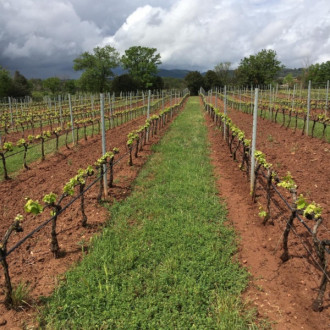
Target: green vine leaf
x=313 y=209
x=287 y=182
x=33 y=207
x=301 y=202
x=50 y=199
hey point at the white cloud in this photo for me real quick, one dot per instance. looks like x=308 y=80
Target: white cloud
x=44 y=28
x=196 y=33
x=191 y=34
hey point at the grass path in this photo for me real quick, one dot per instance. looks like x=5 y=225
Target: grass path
x=165 y=258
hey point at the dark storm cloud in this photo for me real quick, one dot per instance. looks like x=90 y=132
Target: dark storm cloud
x=41 y=38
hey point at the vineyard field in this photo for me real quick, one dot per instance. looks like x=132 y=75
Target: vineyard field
x=286 y=268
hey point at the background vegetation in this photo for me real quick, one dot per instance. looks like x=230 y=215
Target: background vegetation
x=138 y=69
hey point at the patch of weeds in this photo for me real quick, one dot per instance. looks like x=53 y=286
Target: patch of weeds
x=295 y=147
x=270 y=138
x=21 y=295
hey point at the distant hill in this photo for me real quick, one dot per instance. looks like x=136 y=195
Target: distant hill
x=175 y=73
x=295 y=72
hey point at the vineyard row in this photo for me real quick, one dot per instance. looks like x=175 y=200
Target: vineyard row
x=309 y=214
x=76 y=188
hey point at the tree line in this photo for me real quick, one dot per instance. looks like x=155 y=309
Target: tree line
x=141 y=68
x=140 y=65
x=261 y=69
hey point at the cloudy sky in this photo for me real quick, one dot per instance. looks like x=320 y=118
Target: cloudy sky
x=40 y=38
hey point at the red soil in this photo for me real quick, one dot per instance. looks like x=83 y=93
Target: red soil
x=281 y=292
x=33 y=262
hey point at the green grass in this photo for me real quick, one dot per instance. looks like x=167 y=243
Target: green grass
x=165 y=260
x=15 y=163
x=318 y=129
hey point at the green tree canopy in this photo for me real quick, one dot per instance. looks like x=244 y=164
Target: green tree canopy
x=174 y=83
x=53 y=85
x=20 y=86
x=141 y=63
x=37 y=84
x=259 y=69
x=157 y=82
x=211 y=80
x=319 y=72
x=69 y=86
x=123 y=83
x=98 y=68
x=5 y=82
x=288 y=79
x=222 y=72
x=194 y=81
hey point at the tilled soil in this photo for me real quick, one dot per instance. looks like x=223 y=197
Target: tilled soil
x=33 y=262
x=282 y=292
x=16 y=135
x=308 y=159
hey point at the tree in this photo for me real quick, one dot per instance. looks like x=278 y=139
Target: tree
x=141 y=63
x=5 y=82
x=37 y=84
x=222 y=72
x=288 y=79
x=53 y=85
x=174 y=83
x=211 y=80
x=194 y=81
x=259 y=69
x=69 y=86
x=98 y=68
x=319 y=73
x=20 y=86
x=157 y=82
x=123 y=83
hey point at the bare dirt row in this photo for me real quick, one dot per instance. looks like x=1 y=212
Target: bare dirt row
x=308 y=159
x=281 y=292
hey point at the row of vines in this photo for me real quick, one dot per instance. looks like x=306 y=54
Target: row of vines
x=277 y=191
x=288 y=111
x=75 y=190
x=72 y=131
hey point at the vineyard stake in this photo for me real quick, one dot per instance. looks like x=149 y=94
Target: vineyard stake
x=326 y=99
x=110 y=108
x=254 y=138
x=216 y=97
x=224 y=111
x=104 y=149
x=60 y=106
x=270 y=101
x=71 y=116
x=148 y=114
x=251 y=98
x=113 y=102
x=162 y=100
x=11 y=111
x=308 y=105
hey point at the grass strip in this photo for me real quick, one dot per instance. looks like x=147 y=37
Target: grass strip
x=165 y=260
x=318 y=129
